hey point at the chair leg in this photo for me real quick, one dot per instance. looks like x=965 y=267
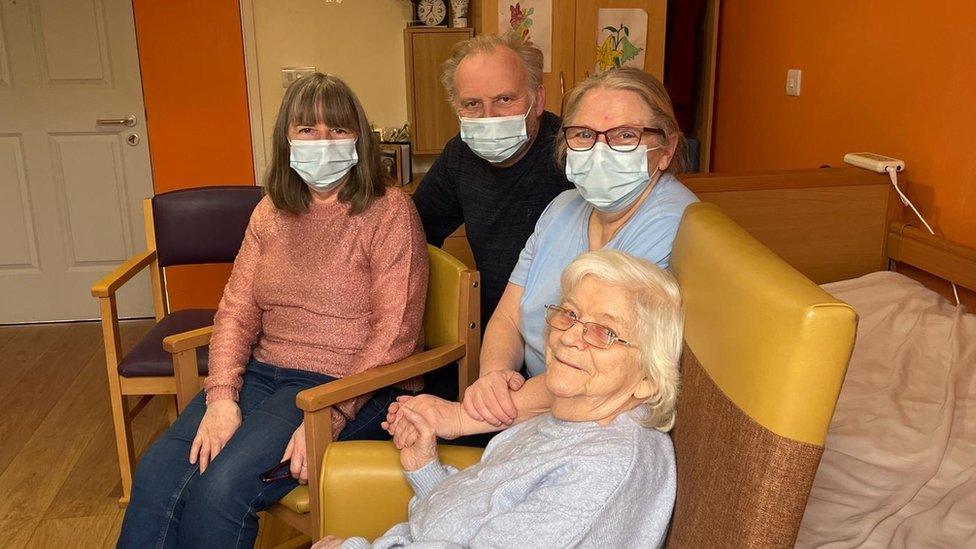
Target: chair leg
x=122 y=422
x=171 y=409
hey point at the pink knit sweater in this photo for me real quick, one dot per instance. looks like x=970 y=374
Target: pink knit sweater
x=323 y=292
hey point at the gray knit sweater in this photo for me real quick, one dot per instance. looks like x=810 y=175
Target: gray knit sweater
x=546 y=483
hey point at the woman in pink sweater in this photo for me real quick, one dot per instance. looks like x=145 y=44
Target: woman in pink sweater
x=330 y=281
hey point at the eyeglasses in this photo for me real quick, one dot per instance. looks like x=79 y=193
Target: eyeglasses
x=620 y=139
x=594 y=334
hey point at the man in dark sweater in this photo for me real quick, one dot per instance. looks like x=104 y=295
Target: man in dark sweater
x=498 y=174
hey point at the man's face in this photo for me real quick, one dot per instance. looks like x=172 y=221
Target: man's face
x=493 y=84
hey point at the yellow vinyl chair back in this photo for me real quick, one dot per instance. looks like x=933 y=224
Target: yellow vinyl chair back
x=766 y=351
x=443 y=293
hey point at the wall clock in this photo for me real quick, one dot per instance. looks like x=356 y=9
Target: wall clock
x=432 y=12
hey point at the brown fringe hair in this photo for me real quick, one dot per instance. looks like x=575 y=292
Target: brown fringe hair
x=311 y=100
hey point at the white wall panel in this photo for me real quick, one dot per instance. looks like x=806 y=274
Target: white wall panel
x=71 y=42
x=90 y=184
x=18 y=249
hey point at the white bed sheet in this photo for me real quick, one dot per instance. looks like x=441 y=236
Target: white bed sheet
x=899 y=465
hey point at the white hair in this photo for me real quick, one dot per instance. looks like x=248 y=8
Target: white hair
x=659 y=326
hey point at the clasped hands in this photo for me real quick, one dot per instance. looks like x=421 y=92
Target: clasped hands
x=416 y=422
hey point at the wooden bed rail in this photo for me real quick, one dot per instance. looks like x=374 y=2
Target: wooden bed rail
x=933 y=254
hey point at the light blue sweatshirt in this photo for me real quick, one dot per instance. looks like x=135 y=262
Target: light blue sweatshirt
x=546 y=483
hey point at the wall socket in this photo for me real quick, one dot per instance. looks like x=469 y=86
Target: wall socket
x=793 y=77
x=290 y=74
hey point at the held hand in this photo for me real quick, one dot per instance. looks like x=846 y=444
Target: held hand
x=219 y=423
x=295 y=451
x=444 y=416
x=423 y=447
x=489 y=399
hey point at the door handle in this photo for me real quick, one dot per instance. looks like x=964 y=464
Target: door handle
x=127 y=121
x=562 y=83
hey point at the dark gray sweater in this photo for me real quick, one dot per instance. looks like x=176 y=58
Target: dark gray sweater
x=498 y=206
x=546 y=483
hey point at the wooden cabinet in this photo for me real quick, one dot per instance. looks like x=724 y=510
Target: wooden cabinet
x=432 y=120
x=574 y=30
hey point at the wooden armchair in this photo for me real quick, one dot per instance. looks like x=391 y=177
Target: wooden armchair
x=190 y=226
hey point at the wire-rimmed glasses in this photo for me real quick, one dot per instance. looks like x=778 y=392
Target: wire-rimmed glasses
x=594 y=334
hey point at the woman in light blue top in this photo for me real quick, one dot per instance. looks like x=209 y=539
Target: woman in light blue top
x=618 y=143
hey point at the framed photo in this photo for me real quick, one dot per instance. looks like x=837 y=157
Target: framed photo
x=396 y=162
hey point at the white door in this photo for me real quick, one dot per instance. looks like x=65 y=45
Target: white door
x=70 y=187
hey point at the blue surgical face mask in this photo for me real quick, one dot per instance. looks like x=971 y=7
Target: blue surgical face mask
x=323 y=163
x=609 y=180
x=498 y=138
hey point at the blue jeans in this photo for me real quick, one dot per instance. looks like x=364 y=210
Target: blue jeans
x=173 y=505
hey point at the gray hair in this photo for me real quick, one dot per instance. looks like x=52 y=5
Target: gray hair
x=650 y=90
x=659 y=326
x=530 y=56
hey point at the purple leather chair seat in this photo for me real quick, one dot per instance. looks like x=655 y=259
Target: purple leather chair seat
x=149 y=359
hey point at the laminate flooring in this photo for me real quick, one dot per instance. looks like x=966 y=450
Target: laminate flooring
x=59 y=472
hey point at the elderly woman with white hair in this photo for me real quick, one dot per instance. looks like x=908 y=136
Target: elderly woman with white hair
x=596 y=470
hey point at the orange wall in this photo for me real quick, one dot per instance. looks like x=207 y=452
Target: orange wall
x=191 y=54
x=893 y=77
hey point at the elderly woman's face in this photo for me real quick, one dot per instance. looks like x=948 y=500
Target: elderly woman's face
x=602 y=109
x=598 y=380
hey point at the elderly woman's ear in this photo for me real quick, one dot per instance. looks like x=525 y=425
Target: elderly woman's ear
x=645 y=389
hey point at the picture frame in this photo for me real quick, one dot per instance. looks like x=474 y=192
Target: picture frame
x=396 y=162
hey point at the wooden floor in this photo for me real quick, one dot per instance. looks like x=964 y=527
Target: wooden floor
x=59 y=472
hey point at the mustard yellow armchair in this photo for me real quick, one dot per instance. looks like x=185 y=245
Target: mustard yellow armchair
x=766 y=351
x=451 y=334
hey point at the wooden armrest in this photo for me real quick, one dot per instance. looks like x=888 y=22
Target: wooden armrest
x=374 y=379
x=185 y=341
x=112 y=281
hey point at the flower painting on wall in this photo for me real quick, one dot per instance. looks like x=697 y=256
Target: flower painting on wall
x=530 y=20
x=621 y=38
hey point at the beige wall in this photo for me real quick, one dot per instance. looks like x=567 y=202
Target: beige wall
x=360 y=41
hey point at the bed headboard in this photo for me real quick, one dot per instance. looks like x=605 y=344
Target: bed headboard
x=830 y=224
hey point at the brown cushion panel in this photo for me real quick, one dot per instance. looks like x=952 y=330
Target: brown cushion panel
x=739 y=484
x=149 y=359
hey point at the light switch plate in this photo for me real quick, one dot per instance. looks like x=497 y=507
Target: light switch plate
x=290 y=74
x=793 y=82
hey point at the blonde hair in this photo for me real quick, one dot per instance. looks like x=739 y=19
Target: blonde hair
x=659 y=325
x=648 y=88
x=530 y=56
x=308 y=101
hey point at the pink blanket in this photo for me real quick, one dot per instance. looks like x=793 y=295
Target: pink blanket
x=899 y=467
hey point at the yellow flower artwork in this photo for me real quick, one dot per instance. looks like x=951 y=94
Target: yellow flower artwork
x=606 y=55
